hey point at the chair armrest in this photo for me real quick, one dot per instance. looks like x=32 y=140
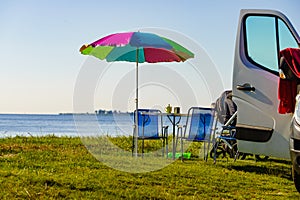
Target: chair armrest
x=228 y=127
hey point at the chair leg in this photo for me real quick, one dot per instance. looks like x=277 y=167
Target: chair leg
x=181 y=144
x=208 y=147
x=143 y=141
x=167 y=138
x=133 y=146
x=163 y=145
x=204 y=150
x=236 y=155
x=178 y=130
x=215 y=150
x=200 y=150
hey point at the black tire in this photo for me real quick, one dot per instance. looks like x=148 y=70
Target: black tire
x=261 y=158
x=296 y=178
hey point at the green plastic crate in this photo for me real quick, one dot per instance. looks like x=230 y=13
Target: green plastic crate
x=178 y=155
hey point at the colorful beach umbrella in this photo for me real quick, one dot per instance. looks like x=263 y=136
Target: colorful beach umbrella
x=138 y=47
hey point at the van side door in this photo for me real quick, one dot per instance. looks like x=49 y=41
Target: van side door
x=262 y=34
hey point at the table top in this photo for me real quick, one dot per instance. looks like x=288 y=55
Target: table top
x=165 y=114
x=175 y=114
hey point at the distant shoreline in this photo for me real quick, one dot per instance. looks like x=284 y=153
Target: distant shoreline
x=69 y=113
x=97 y=113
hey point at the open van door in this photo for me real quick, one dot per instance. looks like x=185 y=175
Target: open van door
x=262 y=34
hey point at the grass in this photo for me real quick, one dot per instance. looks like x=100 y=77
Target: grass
x=60 y=167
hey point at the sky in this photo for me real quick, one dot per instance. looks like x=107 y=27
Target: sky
x=40 y=60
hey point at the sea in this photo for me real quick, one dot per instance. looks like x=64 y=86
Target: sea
x=70 y=125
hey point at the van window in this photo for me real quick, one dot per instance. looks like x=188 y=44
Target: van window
x=261 y=40
x=286 y=39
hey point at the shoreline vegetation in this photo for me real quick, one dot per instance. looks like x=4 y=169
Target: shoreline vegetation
x=98 y=112
x=51 y=167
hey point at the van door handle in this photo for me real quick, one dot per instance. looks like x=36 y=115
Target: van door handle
x=245 y=87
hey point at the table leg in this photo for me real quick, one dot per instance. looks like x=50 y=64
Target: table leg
x=174 y=150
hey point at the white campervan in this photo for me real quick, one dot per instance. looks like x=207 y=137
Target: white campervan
x=261 y=129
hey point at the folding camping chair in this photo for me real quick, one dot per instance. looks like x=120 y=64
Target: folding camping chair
x=150 y=127
x=226 y=139
x=200 y=126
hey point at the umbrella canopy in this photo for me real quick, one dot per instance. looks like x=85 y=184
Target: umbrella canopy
x=124 y=46
x=138 y=47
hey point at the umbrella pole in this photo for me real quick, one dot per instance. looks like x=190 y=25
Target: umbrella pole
x=136 y=105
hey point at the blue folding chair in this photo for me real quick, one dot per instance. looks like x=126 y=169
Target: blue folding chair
x=150 y=127
x=199 y=128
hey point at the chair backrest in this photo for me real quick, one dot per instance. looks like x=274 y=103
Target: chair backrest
x=149 y=122
x=199 y=123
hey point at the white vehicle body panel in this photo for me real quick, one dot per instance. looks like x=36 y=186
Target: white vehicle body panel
x=259 y=108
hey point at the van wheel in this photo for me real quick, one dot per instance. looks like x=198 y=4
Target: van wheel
x=296 y=178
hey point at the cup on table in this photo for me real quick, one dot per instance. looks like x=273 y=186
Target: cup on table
x=176 y=110
x=169 y=109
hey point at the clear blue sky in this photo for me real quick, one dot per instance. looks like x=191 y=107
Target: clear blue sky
x=40 y=40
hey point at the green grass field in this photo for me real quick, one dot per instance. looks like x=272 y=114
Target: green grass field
x=55 y=168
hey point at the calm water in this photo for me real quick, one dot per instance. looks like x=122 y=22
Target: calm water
x=66 y=125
